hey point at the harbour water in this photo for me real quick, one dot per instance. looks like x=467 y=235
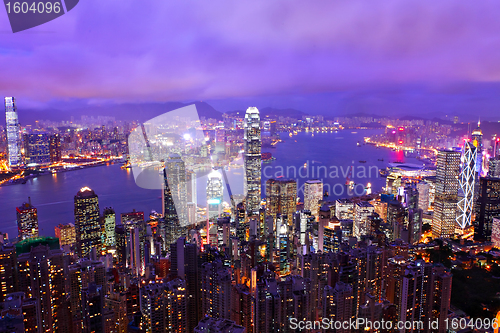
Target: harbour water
x=326 y=156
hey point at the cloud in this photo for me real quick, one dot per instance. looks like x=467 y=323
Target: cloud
x=131 y=50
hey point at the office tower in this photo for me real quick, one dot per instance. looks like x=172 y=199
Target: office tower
x=27 y=221
x=37 y=150
x=494 y=167
x=87 y=222
x=176 y=174
x=313 y=193
x=344 y=209
x=184 y=265
x=495 y=232
x=215 y=192
x=41 y=276
x=423 y=189
x=191 y=213
x=447 y=185
x=393 y=183
x=169 y=212
x=138 y=251
x=121 y=243
x=252 y=160
x=13 y=132
x=332 y=237
x=191 y=192
x=134 y=246
x=281 y=198
x=487 y=206
x=8 y=278
x=66 y=234
x=109 y=217
x=467 y=192
x=218 y=325
x=55 y=149
x=163 y=307
x=338 y=304
x=477 y=141
x=361 y=227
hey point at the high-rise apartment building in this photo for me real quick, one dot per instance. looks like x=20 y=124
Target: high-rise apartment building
x=252 y=160
x=27 y=221
x=13 y=132
x=87 y=222
x=41 y=276
x=446 y=196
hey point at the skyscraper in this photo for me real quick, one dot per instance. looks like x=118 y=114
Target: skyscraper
x=37 y=148
x=281 y=198
x=176 y=174
x=27 y=221
x=87 y=222
x=215 y=192
x=252 y=160
x=108 y=236
x=467 y=182
x=313 y=193
x=55 y=148
x=41 y=276
x=487 y=206
x=13 y=132
x=361 y=227
x=477 y=141
x=446 y=198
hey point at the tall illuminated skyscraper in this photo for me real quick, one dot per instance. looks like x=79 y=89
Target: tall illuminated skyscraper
x=467 y=182
x=446 y=198
x=215 y=193
x=477 y=141
x=13 y=132
x=313 y=193
x=108 y=236
x=37 y=149
x=27 y=221
x=87 y=222
x=281 y=198
x=176 y=174
x=252 y=160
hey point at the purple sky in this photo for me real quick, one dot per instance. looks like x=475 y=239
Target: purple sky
x=317 y=54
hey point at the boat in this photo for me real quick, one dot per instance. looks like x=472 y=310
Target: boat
x=290 y=135
x=383 y=172
x=358 y=144
x=326 y=194
x=362 y=161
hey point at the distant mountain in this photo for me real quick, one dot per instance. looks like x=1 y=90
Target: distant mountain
x=272 y=112
x=127 y=111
